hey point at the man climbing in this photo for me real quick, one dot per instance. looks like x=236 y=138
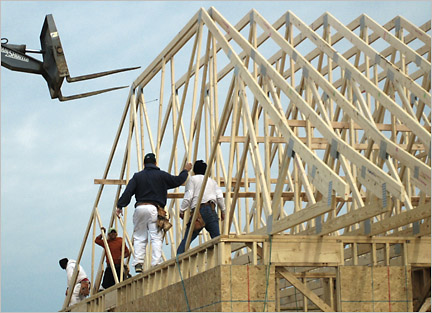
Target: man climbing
x=150 y=188
x=115 y=247
x=82 y=286
x=212 y=195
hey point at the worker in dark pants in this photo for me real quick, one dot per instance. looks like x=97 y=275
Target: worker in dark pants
x=212 y=195
x=115 y=246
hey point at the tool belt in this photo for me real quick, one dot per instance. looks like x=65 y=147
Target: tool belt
x=199 y=222
x=162 y=221
x=85 y=287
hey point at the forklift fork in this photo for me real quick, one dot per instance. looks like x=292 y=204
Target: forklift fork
x=53 y=68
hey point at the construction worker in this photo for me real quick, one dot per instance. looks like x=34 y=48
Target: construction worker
x=212 y=195
x=150 y=189
x=115 y=247
x=82 y=286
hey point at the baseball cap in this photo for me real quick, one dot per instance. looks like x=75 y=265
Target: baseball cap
x=150 y=158
x=111 y=230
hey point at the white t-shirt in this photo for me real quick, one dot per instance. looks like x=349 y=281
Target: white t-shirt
x=212 y=193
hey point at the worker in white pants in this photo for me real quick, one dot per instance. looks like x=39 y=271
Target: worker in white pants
x=69 y=266
x=150 y=187
x=144 y=220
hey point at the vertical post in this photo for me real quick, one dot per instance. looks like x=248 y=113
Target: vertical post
x=374 y=255
x=387 y=254
x=160 y=105
x=254 y=253
x=355 y=253
x=305 y=299
x=93 y=253
x=277 y=292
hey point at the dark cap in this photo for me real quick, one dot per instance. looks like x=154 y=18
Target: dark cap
x=200 y=167
x=63 y=263
x=150 y=158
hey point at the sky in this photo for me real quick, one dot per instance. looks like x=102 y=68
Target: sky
x=52 y=151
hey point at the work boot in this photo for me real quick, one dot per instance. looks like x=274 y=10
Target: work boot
x=138 y=268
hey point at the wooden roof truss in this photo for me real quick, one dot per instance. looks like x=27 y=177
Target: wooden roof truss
x=309 y=129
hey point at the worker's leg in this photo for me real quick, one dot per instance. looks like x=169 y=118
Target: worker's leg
x=182 y=246
x=211 y=220
x=118 y=268
x=140 y=236
x=155 y=236
x=108 y=279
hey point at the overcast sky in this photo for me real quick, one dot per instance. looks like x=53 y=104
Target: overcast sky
x=52 y=151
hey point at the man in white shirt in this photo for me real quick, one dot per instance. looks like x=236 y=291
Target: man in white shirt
x=69 y=266
x=212 y=195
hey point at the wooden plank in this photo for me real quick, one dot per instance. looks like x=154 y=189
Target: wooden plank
x=306 y=253
x=419 y=252
x=350 y=218
x=415 y=30
x=393 y=222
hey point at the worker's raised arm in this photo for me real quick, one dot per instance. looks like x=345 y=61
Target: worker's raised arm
x=99 y=240
x=176 y=181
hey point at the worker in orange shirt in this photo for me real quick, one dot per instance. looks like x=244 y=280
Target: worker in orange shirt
x=115 y=246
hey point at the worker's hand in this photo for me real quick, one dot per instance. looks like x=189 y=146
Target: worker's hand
x=103 y=229
x=119 y=212
x=181 y=214
x=222 y=215
x=188 y=166
x=66 y=292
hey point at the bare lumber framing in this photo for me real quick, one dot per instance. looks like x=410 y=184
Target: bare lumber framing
x=326 y=148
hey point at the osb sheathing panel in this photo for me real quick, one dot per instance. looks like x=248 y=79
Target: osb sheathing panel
x=244 y=288
x=221 y=289
x=376 y=288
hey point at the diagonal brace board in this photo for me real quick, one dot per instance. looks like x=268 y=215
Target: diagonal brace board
x=305 y=291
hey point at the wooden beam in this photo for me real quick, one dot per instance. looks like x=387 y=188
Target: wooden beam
x=348 y=219
x=399 y=220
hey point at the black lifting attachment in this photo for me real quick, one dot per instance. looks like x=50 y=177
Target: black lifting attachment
x=54 y=67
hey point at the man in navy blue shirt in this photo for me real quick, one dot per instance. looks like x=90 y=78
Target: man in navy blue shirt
x=150 y=188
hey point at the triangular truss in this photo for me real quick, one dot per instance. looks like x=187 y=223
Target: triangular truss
x=309 y=129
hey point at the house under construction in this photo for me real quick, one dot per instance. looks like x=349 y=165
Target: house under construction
x=319 y=136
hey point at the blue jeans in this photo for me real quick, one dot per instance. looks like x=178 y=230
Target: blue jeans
x=211 y=225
